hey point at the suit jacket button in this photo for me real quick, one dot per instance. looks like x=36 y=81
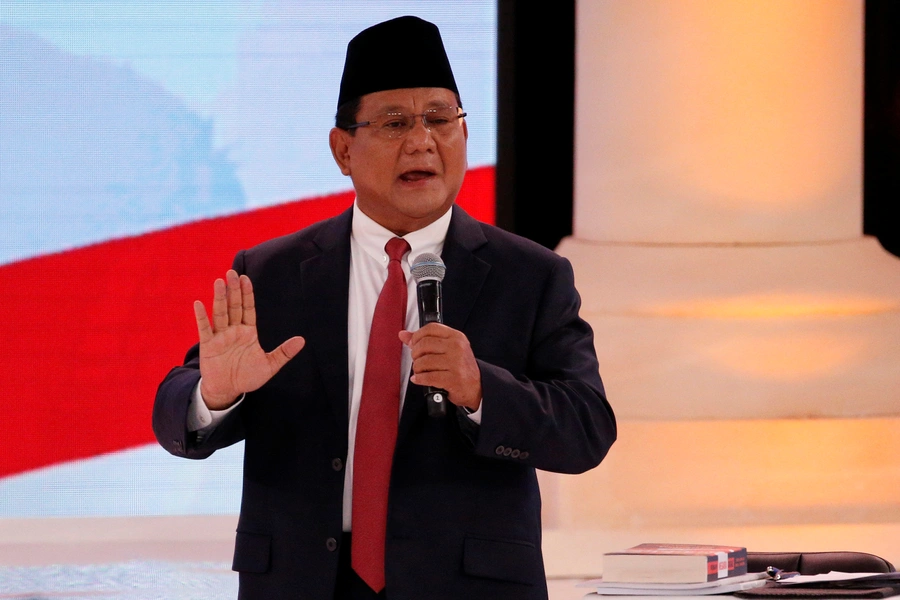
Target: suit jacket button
x=337 y=464
x=331 y=544
x=507 y=451
x=515 y=453
x=523 y=454
x=499 y=450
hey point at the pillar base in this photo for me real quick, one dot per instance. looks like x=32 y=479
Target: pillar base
x=743 y=331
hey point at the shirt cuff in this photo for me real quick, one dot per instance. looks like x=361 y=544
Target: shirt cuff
x=200 y=418
x=474 y=416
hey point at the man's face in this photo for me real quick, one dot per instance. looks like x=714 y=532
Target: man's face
x=405 y=183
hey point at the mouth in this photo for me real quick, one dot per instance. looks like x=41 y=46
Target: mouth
x=416 y=175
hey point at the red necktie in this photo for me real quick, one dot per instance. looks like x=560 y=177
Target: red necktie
x=376 y=426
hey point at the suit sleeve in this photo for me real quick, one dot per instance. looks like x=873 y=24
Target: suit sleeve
x=554 y=416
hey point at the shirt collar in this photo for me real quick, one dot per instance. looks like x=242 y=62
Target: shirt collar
x=372 y=237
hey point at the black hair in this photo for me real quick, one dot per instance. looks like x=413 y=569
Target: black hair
x=346 y=113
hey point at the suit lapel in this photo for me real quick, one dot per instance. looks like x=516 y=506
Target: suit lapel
x=325 y=285
x=325 y=281
x=465 y=271
x=460 y=289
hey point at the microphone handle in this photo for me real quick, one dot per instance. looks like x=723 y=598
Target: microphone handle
x=431 y=311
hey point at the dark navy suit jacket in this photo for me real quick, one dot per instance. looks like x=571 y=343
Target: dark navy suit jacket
x=464 y=510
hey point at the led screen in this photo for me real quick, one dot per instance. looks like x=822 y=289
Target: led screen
x=141 y=145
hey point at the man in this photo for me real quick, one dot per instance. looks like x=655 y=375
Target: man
x=350 y=489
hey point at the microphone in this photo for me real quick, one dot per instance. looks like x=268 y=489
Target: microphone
x=428 y=270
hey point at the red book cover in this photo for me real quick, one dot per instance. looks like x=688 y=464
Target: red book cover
x=674 y=563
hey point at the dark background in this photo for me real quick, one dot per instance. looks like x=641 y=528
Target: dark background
x=881 y=137
x=536 y=123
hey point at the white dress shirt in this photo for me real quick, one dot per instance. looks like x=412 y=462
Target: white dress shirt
x=368 y=272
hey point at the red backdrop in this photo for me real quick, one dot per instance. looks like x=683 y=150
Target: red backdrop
x=91 y=332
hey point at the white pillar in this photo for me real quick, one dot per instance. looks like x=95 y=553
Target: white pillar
x=718 y=240
x=719 y=121
x=742 y=321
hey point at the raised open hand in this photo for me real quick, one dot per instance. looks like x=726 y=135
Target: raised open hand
x=231 y=360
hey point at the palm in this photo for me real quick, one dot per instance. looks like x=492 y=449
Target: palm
x=231 y=360
x=235 y=358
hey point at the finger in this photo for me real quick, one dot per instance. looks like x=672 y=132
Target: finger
x=428 y=345
x=435 y=379
x=204 y=330
x=235 y=311
x=431 y=362
x=285 y=352
x=438 y=330
x=219 y=310
x=248 y=302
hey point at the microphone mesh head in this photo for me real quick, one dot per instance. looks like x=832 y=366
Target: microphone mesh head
x=428 y=266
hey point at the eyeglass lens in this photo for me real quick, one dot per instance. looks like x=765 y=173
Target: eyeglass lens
x=437 y=120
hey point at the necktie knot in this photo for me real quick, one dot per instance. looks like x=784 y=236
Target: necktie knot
x=396 y=248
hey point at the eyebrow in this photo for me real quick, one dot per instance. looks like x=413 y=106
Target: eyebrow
x=403 y=109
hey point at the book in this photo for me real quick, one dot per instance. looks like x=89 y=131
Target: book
x=674 y=563
x=726 y=585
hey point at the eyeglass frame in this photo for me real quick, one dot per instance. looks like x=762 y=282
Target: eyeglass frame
x=460 y=114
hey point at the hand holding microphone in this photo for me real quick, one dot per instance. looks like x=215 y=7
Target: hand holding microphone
x=428 y=270
x=443 y=361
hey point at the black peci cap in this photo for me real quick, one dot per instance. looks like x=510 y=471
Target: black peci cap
x=405 y=52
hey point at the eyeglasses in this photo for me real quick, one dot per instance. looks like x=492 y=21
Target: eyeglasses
x=392 y=125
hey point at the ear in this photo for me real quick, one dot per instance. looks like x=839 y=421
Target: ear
x=465 y=129
x=339 y=141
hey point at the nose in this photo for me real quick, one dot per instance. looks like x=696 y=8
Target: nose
x=420 y=136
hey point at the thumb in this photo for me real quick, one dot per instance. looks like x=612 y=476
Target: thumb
x=285 y=352
x=405 y=336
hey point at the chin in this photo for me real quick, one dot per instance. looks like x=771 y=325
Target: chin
x=421 y=205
